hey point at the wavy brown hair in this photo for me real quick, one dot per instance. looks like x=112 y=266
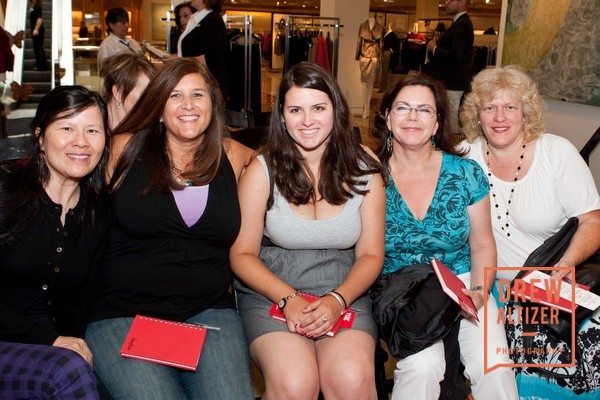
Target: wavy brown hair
x=149 y=138
x=492 y=80
x=344 y=160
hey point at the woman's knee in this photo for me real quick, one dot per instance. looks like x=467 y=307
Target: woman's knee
x=428 y=364
x=294 y=384
x=351 y=375
x=47 y=371
x=73 y=375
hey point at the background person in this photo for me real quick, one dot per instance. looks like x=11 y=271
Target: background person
x=426 y=176
x=326 y=229
x=126 y=76
x=173 y=189
x=205 y=38
x=183 y=12
x=450 y=57
x=36 y=22
x=52 y=230
x=117 y=22
x=537 y=180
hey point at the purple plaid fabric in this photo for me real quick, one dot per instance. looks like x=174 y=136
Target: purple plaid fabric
x=31 y=371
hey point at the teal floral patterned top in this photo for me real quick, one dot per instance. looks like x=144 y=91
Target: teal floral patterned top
x=444 y=231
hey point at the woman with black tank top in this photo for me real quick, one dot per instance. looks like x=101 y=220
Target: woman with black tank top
x=173 y=181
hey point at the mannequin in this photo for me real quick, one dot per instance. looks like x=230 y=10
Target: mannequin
x=368 y=52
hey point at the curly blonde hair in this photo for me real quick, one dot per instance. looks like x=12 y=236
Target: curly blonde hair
x=484 y=87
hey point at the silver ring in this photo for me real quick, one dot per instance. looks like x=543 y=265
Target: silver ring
x=324 y=319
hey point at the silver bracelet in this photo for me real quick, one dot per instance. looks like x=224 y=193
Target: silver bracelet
x=339 y=299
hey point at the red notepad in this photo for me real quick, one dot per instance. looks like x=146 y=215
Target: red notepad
x=164 y=342
x=345 y=321
x=452 y=285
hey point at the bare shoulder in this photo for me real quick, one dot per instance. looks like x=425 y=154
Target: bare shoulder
x=118 y=143
x=239 y=155
x=369 y=152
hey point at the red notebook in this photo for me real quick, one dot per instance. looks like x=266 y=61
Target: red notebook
x=164 y=342
x=345 y=321
x=452 y=285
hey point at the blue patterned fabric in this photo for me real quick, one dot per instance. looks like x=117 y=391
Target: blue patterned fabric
x=444 y=231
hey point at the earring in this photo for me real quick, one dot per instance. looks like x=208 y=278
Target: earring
x=41 y=159
x=389 y=141
x=433 y=146
x=118 y=105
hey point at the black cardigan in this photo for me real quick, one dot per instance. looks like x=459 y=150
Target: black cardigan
x=48 y=274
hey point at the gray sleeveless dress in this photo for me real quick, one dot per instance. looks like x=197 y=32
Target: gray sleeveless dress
x=312 y=256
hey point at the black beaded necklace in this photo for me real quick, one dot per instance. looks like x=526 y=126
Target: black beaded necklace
x=503 y=224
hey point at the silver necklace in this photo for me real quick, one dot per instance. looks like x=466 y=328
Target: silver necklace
x=503 y=223
x=177 y=173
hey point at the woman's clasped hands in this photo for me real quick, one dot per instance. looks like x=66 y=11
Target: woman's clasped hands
x=312 y=319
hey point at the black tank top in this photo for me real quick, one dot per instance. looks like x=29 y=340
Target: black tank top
x=156 y=265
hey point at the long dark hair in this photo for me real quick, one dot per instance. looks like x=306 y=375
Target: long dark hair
x=442 y=138
x=149 y=140
x=22 y=186
x=344 y=160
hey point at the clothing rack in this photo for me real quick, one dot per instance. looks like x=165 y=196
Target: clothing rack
x=302 y=22
x=244 y=23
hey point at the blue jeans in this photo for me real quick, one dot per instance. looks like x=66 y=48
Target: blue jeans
x=223 y=371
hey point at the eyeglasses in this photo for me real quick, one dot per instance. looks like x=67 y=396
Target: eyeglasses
x=403 y=109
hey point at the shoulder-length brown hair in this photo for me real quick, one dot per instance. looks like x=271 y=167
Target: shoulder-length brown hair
x=442 y=139
x=487 y=83
x=149 y=133
x=344 y=160
x=123 y=70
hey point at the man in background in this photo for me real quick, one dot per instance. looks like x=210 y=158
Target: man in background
x=117 y=21
x=450 y=57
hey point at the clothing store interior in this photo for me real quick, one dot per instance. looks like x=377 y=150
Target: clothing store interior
x=269 y=36
x=266 y=38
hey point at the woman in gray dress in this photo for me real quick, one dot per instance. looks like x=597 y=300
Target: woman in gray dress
x=326 y=232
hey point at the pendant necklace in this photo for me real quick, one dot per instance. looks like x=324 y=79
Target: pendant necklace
x=503 y=224
x=177 y=172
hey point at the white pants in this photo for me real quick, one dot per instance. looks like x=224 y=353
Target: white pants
x=418 y=377
x=454 y=97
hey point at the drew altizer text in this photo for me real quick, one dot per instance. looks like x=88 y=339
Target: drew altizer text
x=525 y=307
x=532 y=314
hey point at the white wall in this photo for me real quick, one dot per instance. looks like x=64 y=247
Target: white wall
x=576 y=122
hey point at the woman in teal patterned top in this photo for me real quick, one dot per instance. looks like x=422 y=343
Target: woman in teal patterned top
x=443 y=232
x=438 y=206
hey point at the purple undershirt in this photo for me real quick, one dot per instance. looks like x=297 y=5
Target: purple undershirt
x=191 y=202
